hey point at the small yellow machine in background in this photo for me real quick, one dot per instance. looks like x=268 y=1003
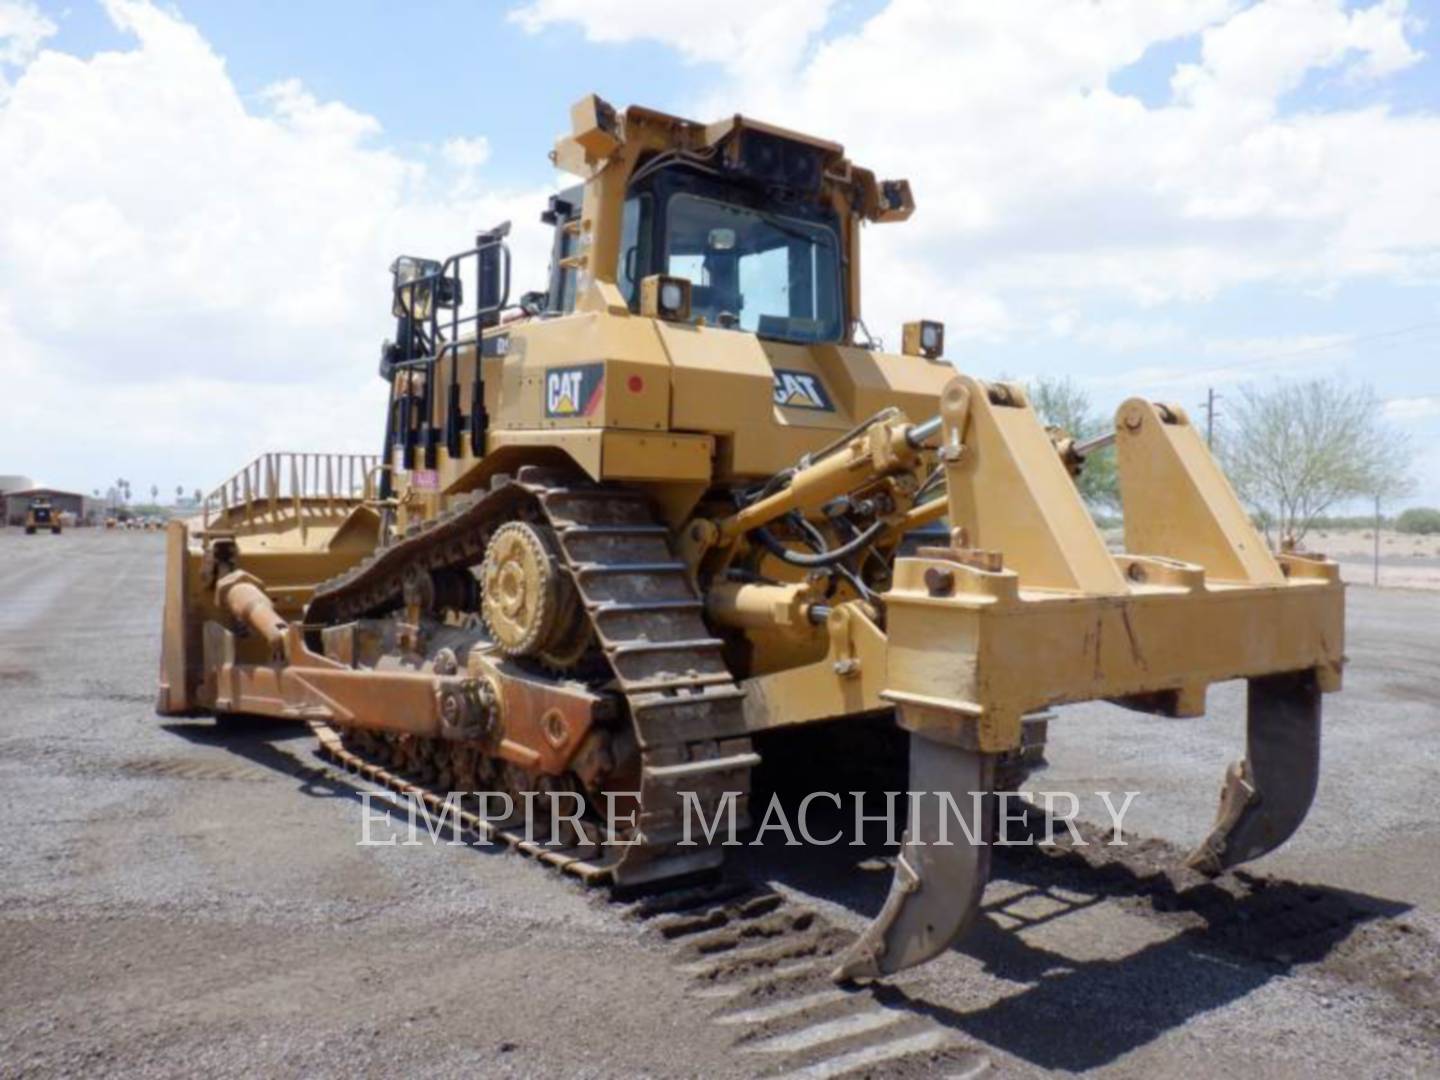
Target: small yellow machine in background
x=41 y=515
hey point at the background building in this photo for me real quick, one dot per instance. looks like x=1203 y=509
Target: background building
x=13 y=482
x=73 y=503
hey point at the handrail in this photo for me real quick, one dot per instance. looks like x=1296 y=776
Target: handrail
x=265 y=484
x=427 y=335
x=424 y=292
x=371 y=486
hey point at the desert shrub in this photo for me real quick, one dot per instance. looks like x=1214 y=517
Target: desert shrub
x=1350 y=521
x=1419 y=520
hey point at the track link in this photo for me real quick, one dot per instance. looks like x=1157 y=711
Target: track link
x=585 y=861
x=646 y=615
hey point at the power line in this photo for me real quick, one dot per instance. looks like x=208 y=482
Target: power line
x=1354 y=339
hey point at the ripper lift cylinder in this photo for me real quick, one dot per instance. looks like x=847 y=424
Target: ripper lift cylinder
x=244 y=597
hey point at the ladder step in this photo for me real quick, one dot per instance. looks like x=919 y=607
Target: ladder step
x=609 y=607
x=642 y=686
x=626 y=648
x=588 y=569
x=688 y=770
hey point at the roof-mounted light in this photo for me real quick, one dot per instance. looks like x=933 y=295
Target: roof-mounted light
x=924 y=338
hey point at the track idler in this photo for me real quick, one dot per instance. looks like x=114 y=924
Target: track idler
x=936 y=892
x=1267 y=794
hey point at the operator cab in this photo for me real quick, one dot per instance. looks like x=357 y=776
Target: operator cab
x=749 y=231
x=755 y=262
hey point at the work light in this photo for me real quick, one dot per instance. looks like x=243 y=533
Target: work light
x=665 y=297
x=923 y=338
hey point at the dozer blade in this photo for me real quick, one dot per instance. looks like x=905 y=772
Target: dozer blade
x=1267 y=794
x=936 y=891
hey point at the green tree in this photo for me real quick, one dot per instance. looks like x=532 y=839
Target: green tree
x=1061 y=403
x=1419 y=520
x=1294 y=450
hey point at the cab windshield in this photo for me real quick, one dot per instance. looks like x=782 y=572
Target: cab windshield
x=755 y=270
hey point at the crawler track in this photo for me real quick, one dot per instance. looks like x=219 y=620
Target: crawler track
x=686 y=712
x=760 y=958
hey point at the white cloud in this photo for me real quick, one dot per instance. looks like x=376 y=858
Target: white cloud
x=763 y=38
x=1035 y=180
x=1277 y=350
x=1413 y=408
x=187 y=280
x=1240 y=360
x=1249 y=61
x=466 y=156
x=467 y=153
x=22 y=30
x=188 y=276
x=1426 y=471
x=1114 y=335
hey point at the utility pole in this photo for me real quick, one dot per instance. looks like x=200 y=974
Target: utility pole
x=1210 y=397
x=1377 y=538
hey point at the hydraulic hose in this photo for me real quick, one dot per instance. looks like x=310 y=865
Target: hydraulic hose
x=823 y=558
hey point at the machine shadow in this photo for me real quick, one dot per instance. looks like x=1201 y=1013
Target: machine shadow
x=1224 y=938
x=265 y=741
x=235 y=729
x=1227 y=938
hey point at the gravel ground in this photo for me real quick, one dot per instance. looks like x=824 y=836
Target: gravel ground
x=186 y=897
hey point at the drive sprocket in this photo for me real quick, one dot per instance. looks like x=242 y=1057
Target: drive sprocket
x=521 y=591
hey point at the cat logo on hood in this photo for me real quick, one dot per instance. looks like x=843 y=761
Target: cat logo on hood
x=801 y=390
x=574 y=391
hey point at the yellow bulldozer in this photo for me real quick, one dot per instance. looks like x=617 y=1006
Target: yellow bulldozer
x=41 y=515
x=623 y=530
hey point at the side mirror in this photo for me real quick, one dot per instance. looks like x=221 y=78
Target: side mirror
x=491 y=293
x=449 y=293
x=389 y=357
x=492 y=274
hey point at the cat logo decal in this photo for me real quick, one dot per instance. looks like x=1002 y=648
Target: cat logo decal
x=801 y=390
x=574 y=391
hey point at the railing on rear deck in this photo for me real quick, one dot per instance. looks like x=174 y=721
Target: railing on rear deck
x=288 y=480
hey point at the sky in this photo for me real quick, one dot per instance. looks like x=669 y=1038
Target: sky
x=199 y=201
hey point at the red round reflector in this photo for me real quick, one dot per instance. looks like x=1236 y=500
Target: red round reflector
x=635 y=384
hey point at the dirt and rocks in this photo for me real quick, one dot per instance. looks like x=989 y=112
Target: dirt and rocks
x=1406 y=560
x=186 y=897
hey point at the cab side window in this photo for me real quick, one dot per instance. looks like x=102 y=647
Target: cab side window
x=634 y=247
x=566 y=248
